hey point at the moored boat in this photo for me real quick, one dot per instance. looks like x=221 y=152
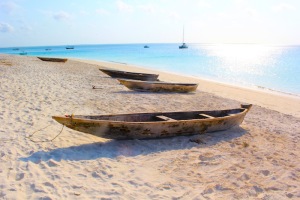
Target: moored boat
x=23 y=53
x=184 y=45
x=158 y=86
x=155 y=125
x=129 y=75
x=53 y=59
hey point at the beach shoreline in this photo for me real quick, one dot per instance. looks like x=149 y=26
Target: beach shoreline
x=259 y=159
x=279 y=101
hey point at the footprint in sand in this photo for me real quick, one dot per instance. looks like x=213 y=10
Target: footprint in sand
x=48 y=184
x=20 y=176
x=265 y=172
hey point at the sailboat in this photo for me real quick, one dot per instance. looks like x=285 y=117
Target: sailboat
x=183 y=46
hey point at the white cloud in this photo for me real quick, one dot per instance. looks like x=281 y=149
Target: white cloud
x=61 y=16
x=8 y=7
x=124 y=7
x=6 y=28
x=283 y=7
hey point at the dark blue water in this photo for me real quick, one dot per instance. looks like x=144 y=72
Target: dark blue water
x=251 y=65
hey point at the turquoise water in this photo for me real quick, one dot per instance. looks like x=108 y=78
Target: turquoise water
x=264 y=66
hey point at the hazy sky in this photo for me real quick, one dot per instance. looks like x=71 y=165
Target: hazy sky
x=62 y=22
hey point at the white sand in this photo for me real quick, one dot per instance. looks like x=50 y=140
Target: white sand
x=258 y=160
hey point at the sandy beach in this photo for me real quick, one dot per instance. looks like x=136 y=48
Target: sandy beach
x=258 y=160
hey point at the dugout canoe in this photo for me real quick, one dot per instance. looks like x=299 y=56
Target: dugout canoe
x=155 y=125
x=129 y=75
x=53 y=59
x=158 y=86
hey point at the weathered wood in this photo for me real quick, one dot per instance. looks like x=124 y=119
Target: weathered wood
x=165 y=118
x=129 y=75
x=206 y=116
x=158 y=86
x=150 y=125
x=53 y=59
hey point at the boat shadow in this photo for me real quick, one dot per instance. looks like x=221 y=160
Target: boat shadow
x=131 y=148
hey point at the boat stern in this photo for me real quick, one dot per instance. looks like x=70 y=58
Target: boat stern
x=246 y=106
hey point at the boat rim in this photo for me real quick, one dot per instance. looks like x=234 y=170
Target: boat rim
x=73 y=117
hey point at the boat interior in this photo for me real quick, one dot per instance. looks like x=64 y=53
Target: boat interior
x=172 y=116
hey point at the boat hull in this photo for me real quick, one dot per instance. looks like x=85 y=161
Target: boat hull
x=134 y=126
x=158 y=86
x=130 y=75
x=53 y=59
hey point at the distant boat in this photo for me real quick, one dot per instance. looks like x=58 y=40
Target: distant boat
x=129 y=75
x=69 y=47
x=53 y=59
x=156 y=124
x=47 y=49
x=16 y=49
x=146 y=46
x=183 y=46
x=158 y=86
x=23 y=53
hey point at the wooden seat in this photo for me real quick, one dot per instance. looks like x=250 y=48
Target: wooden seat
x=206 y=116
x=165 y=118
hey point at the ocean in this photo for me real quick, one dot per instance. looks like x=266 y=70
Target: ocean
x=267 y=67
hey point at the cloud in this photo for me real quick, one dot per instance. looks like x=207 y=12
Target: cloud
x=124 y=7
x=6 y=28
x=283 y=7
x=61 y=16
x=8 y=7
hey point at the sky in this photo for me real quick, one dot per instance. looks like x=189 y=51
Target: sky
x=71 y=22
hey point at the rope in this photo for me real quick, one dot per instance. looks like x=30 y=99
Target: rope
x=30 y=136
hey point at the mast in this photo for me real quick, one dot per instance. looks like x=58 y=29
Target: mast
x=183 y=35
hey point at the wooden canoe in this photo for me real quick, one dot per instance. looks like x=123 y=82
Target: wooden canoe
x=53 y=59
x=129 y=75
x=155 y=125
x=158 y=86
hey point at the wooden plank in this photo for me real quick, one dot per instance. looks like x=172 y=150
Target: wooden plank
x=207 y=116
x=165 y=118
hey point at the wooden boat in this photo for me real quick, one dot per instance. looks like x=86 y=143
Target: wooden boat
x=155 y=125
x=23 y=53
x=69 y=47
x=158 y=86
x=53 y=59
x=130 y=75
